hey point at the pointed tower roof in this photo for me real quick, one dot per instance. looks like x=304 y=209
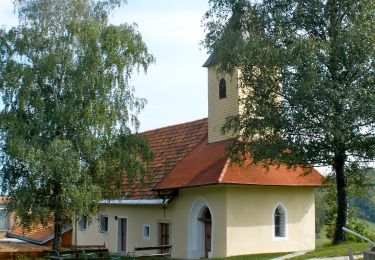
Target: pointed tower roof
x=210 y=61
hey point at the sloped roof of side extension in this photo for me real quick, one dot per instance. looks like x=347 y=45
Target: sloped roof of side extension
x=37 y=233
x=207 y=164
x=184 y=158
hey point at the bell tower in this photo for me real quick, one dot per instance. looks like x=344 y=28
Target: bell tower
x=223 y=99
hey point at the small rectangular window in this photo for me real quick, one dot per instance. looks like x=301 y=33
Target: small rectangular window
x=146 y=232
x=103 y=223
x=4 y=220
x=83 y=223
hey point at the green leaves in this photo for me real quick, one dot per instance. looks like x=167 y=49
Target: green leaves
x=308 y=67
x=68 y=110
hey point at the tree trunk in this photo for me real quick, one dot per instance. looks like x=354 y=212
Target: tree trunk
x=58 y=231
x=58 y=220
x=342 y=206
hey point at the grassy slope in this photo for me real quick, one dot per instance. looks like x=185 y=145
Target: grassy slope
x=325 y=249
x=321 y=238
x=240 y=257
x=338 y=250
x=253 y=257
x=371 y=226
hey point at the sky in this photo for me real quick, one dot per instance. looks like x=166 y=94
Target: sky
x=175 y=87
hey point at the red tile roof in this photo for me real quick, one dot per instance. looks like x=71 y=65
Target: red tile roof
x=183 y=158
x=169 y=145
x=37 y=233
x=202 y=166
x=208 y=164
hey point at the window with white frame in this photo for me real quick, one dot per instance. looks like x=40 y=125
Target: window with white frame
x=83 y=223
x=280 y=222
x=103 y=222
x=146 y=232
x=4 y=219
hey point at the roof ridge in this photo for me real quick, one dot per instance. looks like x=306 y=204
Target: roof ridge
x=222 y=174
x=174 y=125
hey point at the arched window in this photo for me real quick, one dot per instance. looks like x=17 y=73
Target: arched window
x=206 y=215
x=222 y=89
x=280 y=222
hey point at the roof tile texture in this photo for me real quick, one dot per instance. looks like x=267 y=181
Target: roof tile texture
x=169 y=146
x=208 y=164
x=36 y=232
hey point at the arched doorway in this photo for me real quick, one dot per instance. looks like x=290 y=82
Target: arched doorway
x=200 y=230
x=207 y=223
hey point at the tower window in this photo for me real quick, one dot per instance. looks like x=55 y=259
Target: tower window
x=222 y=89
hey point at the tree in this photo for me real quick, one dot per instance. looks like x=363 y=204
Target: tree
x=308 y=74
x=359 y=185
x=68 y=109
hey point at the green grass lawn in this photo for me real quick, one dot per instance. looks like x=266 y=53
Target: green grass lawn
x=371 y=226
x=326 y=250
x=321 y=238
x=240 y=257
x=338 y=250
x=253 y=257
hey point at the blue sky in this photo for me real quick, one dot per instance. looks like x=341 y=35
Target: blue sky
x=176 y=85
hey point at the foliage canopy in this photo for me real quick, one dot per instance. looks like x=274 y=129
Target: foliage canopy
x=68 y=109
x=307 y=71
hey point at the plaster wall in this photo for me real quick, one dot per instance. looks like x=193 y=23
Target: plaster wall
x=250 y=227
x=176 y=214
x=136 y=216
x=242 y=221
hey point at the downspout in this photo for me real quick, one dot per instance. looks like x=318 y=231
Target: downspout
x=75 y=231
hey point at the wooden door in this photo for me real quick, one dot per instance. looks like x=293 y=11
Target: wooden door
x=207 y=237
x=164 y=234
x=123 y=234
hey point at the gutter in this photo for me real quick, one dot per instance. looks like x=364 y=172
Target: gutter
x=135 y=202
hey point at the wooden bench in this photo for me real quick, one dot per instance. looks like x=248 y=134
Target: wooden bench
x=80 y=254
x=78 y=247
x=165 y=252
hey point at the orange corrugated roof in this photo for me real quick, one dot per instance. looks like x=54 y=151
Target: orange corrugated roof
x=37 y=233
x=169 y=146
x=208 y=164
